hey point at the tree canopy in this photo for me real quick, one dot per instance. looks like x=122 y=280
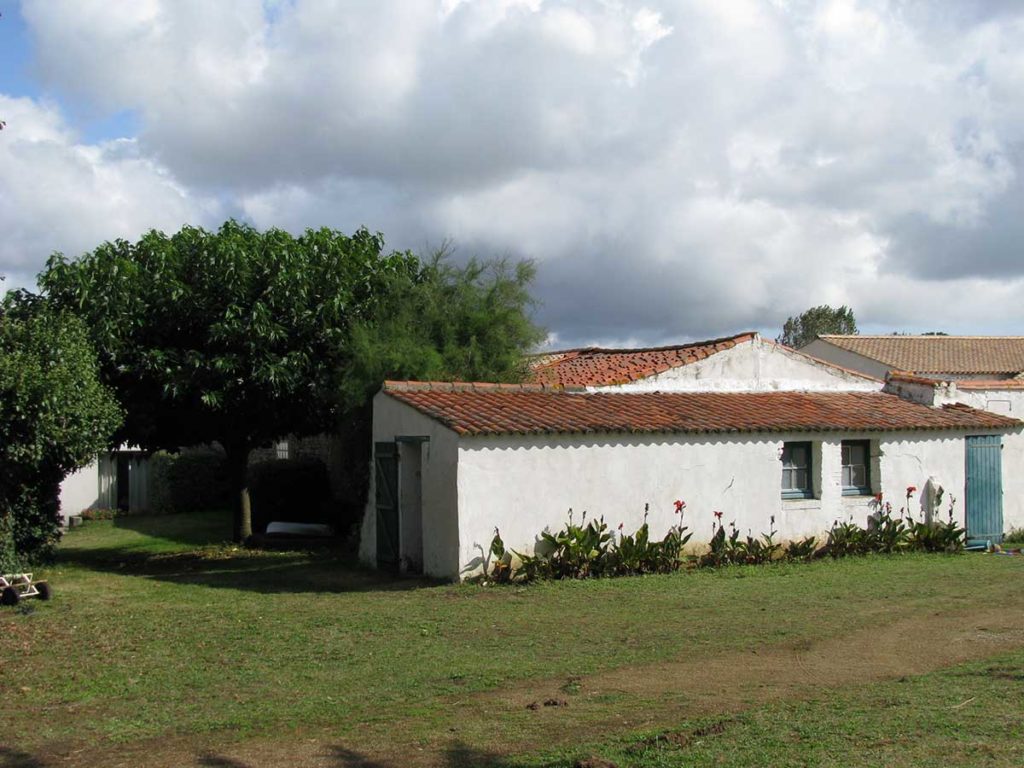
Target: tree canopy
x=233 y=336
x=445 y=322
x=241 y=337
x=55 y=416
x=801 y=330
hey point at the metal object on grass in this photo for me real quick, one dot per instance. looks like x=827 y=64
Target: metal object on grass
x=15 y=587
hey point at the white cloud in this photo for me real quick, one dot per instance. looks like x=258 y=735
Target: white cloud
x=678 y=168
x=60 y=195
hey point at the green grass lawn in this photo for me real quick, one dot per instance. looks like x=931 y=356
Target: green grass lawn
x=160 y=634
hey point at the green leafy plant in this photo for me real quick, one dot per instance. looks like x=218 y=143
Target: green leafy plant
x=931 y=535
x=801 y=549
x=846 y=539
x=1014 y=537
x=722 y=549
x=55 y=417
x=591 y=549
x=886 y=533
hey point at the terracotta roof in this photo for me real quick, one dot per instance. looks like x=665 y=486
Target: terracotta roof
x=597 y=367
x=939 y=354
x=989 y=384
x=501 y=409
x=913 y=378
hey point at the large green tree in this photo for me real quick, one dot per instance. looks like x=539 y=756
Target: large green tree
x=806 y=327
x=234 y=336
x=55 y=416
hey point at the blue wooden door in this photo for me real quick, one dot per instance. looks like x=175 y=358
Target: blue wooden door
x=385 y=460
x=984 y=489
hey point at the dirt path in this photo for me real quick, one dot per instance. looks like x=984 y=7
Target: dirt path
x=477 y=730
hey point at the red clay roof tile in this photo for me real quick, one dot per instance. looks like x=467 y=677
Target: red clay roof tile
x=938 y=354
x=596 y=367
x=526 y=409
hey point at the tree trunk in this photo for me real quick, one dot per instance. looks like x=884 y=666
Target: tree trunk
x=238 y=467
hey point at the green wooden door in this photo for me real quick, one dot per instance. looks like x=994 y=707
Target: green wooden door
x=984 y=489
x=385 y=462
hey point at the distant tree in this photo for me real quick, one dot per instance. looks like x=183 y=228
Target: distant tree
x=235 y=336
x=55 y=417
x=442 y=322
x=445 y=322
x=806 y=327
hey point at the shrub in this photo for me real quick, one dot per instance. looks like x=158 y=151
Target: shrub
x=161 y=499
x=290 y=490
x=1014 y=536
x=55 y=416
x=801 y=549
x=198 y=480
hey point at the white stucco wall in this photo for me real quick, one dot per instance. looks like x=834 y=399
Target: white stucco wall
x=753 y=366
x=1008 y=402
x=438 y=500
x=79 y=491
x=523 y=484
x=823 y=350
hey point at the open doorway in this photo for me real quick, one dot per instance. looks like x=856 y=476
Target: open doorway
x=410 y=504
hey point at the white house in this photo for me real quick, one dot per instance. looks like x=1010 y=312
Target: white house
x=115 y=480
x=740 y=425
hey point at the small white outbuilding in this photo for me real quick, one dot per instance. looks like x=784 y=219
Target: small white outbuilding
x=452 y=462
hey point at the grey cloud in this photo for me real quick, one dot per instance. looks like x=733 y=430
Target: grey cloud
x=720 y=169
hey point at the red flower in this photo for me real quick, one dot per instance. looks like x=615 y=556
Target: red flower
x=680 y=505
x=620 y=526
x=718 y=515
x=911 y=489
x=878 y=497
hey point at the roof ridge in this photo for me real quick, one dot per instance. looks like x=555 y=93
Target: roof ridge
x=908 y=336
x=474 y=386
x=633 y=350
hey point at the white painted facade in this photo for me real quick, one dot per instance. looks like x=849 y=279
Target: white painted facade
x=80 y=491
x=523 y=484
x=753 y=366
x=1008 y=402
x=465 y=487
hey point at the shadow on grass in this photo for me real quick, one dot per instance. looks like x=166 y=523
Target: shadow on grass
x=193 y=530
x=14 y=758
x=250 y=570
x=190 y=549
x=457 y=756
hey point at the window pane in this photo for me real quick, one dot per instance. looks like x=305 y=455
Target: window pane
x=796 y=464
x=859 y=475
x=855 y=465
x=857 y=454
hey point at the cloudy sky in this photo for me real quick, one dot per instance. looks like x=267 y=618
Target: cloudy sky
x=677 y=169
